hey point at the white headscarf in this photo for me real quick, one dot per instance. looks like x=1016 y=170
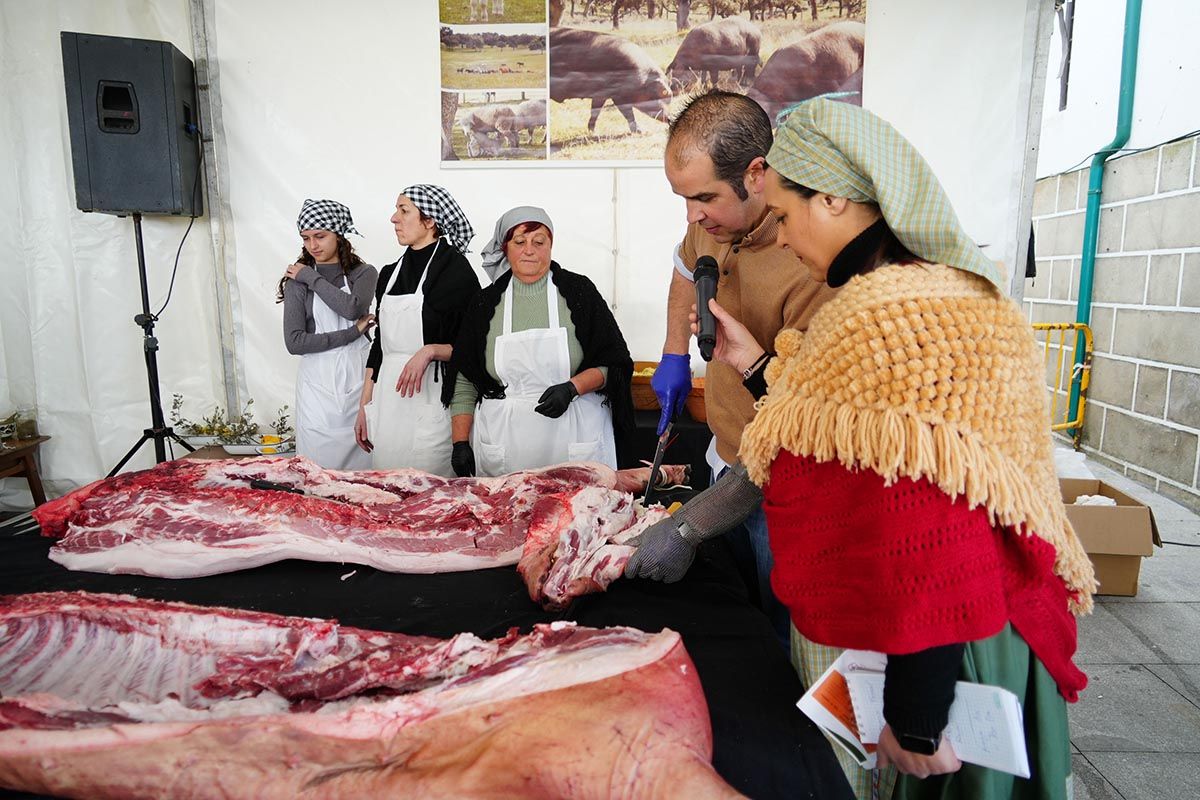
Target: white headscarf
x=495 y=263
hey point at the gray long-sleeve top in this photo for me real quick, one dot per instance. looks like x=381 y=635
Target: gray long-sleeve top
x=325 y=281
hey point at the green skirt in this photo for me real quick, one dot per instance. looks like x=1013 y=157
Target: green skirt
x=1001 y=660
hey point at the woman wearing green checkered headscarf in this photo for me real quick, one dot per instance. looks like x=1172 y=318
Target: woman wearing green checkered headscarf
x=905 y=460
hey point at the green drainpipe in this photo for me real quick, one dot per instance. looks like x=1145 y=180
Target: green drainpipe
x=1091 y=224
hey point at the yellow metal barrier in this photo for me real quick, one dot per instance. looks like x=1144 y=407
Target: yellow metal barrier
x=1081 y=372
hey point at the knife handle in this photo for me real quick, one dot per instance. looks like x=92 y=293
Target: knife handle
x=258 y=483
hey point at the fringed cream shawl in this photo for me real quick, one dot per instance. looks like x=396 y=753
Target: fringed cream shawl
x=924 y=371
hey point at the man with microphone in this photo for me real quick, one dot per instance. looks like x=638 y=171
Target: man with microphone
x=715 y=160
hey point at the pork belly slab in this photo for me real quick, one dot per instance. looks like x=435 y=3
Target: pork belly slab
x=189 y=518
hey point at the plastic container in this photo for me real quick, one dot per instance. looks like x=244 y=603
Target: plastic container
x=27 y=427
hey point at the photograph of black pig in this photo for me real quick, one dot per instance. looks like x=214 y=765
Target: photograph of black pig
x=821 y=62
x=709 y=49
x=601 y=67
x=615 y=70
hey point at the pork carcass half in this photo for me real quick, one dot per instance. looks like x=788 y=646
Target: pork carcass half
x=106 y=696
x=190 y=518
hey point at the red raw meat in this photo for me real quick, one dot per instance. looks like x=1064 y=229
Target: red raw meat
x=189 y=518
x=576 y=543
x=105 y=696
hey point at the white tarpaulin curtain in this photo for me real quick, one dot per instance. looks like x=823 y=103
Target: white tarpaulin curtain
x=70 y=283
x=341 y=101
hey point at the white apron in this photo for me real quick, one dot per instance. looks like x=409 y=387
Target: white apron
x=509 y=435
x=407 y=431
x=328 y=387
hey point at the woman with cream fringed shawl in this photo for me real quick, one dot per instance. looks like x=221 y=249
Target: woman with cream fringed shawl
x=906 y=464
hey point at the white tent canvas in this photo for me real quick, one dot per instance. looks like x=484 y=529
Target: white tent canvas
x=341 y=101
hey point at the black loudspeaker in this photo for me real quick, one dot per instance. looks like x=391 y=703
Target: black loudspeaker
x=131 y=107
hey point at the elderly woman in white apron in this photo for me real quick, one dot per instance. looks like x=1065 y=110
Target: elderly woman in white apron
x=420 y=302
x=544 y=372
x=326 y=298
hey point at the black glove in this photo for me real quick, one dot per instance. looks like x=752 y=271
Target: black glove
x=554 y=401
x=462 y=459
x=662 y=553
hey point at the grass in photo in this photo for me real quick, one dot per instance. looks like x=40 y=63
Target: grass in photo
x=492 y=68
x=475 y=12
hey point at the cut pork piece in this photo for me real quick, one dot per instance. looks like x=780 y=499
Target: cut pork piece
x=576 y=543
x=112 y=696
x=190 y=518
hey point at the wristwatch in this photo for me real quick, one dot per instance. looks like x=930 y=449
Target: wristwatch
x=921 y=745
x=750 y=370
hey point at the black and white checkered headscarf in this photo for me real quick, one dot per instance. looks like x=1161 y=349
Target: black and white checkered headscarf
x=436 y=202
x=325 y=215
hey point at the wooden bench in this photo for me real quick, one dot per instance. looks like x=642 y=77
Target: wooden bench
x=18 y=460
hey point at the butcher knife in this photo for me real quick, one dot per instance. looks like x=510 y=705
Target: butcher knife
x=274 y=487
x=20 y=524
x=656 y=465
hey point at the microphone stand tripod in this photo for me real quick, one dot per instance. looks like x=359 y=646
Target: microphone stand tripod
x=159 y=430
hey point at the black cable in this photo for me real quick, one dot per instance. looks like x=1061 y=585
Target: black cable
x=1126 y=151
x=1181 y=544
x=191 y=222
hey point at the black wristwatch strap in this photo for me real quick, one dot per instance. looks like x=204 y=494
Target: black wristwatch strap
x=921 y=745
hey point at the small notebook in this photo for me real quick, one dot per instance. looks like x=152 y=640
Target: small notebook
x=827 y=703
x=986 y=726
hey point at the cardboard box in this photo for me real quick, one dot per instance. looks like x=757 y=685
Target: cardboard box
x=1116 y=538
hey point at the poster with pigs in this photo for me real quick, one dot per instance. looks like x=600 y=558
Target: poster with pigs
x=601 y=85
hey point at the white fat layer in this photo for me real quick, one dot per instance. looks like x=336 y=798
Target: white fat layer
x=181 y=559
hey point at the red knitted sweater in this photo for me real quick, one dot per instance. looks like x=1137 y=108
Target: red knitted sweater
x=901 y=568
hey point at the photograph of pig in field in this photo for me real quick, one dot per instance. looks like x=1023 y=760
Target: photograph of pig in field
x=501 y=125
x=477 y=12
x=510 y=57
x=619 y=68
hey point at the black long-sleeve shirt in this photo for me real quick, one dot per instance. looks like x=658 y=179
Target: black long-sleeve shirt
x=449 y=284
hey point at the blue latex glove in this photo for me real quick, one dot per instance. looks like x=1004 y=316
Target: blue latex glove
x=672 y=382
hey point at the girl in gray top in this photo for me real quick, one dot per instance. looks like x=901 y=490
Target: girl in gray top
x=327 y=297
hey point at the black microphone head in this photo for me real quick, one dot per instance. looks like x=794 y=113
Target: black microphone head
x=706 y=267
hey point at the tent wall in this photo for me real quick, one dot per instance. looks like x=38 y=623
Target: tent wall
x=70 y=283
x=319 y=99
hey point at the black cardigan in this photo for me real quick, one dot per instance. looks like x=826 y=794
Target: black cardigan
x=596 y=328
x=450 y=283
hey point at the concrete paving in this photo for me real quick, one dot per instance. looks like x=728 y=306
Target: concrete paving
x=1135 y=732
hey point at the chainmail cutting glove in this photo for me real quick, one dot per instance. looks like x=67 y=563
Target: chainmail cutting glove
x=662 y=553
x=666 y=549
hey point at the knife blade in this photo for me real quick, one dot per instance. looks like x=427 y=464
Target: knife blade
x=656 y=465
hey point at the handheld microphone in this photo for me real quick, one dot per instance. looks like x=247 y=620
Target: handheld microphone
x=705 y=276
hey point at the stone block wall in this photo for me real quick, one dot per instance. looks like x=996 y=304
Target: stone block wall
x=1143 y=416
